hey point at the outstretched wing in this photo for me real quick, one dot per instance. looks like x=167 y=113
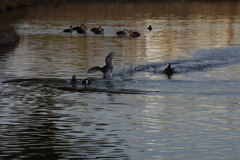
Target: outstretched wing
x=94 y=69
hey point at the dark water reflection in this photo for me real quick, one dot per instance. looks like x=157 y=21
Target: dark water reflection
x=137 y=113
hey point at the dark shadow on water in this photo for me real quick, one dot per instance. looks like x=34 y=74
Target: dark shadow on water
x=87 y=89
x=104 y=86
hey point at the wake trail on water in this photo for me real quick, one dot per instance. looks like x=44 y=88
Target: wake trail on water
x=201 y=60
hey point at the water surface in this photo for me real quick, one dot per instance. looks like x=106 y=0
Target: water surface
x=137 y=112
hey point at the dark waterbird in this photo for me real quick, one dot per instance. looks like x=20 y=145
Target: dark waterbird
x=100 y=30
x=133 y=34
x=122 y=33
x=82 y=29
x=76 y=28
x=168 y=71
x=86 y=81
x=68 y=30
x=82 y=26
x=149 y=28
x=74 y=79
x=107 y=68
x=94 y=29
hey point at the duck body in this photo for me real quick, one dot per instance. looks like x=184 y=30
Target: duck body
x=168 y=71
x=107 y=68
x=74 y=79
x=76 y=28
x=86 y=81
x=94 y=29
x=100 y=30
x=122 y=33
x=82 y=31
x=69 y=30
x=133 y=34
x=149 y=28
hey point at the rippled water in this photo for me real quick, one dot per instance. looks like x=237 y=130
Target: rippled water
x=137 y=112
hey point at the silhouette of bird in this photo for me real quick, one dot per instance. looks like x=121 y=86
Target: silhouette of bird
x=149 y=28
x=82 y=31
x=68 y=30
x=82 y=28
x=74 y=79
x=122 y=33
x=108 y=67
x=76 y=28
x=86 y=81
x=133 y=34
x=168 y=71
x=100 y=30
x=95 y=29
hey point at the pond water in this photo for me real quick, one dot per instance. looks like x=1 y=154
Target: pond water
x=137 y=112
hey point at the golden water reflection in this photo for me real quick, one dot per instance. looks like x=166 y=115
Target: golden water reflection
x=178 y=29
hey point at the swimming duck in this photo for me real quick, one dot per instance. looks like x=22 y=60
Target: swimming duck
x=149 y=28
x=74 y=79
x=82 y=28
x=69 y=29
x=122 y=33
x=94 y=29
x=133 y=34
x=168 y=71
x=108 y=67
x=82 y=31
x=100 y=30
x=76 y=28
x=86 y=81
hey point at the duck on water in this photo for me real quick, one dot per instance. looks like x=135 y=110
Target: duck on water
x=82 y=26
x=100 y=30
x=107 y=68
x=149 y=28
x=82 y=29
x=95 y=29
x=169 y=71
x=69 y=30
x=85 y=81
x=122 y=33
x=133 y=34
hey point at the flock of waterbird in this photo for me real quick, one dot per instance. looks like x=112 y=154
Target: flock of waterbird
x=108 y=60
x=82 y=29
